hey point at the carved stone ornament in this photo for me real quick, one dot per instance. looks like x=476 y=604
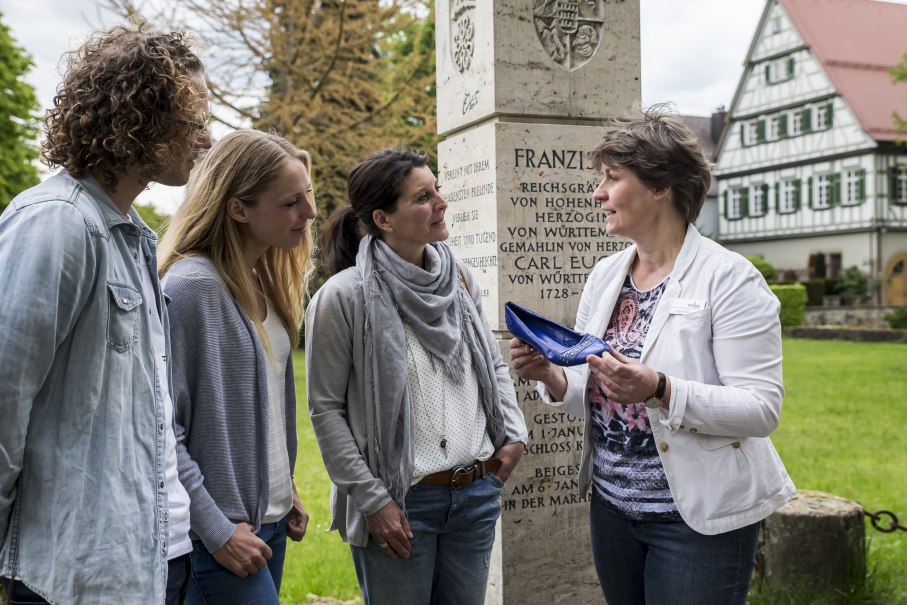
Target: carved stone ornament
x=570 y=30
x=462 y=32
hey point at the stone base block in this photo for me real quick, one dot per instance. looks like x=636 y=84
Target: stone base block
x=814 y=544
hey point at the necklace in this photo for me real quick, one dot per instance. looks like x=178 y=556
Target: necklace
x=442 y=433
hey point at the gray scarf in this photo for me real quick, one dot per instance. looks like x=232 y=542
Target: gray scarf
x=444 y=318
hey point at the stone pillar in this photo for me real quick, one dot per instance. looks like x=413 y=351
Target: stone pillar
x=813 y=545
x=523 y=86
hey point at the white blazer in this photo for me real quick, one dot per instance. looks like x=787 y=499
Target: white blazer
x=716 y=333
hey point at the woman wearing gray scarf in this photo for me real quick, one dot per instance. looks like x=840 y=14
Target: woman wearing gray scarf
x=412 y=405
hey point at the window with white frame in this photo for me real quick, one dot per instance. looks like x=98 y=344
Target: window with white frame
x=758 y=203
x=795 y=120
x=773 y=72
x=821 y=118
x=779 y=70
x=787 y=201
x=822 y=199
x=776 y=25
x=734 y=206
x=752 y=132
x=853 y=187
x=774 y=128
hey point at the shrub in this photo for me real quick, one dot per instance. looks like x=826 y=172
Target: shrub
x=793 y=301
x=897 y=319
x=815 y=290
x=763 y=266
x=853 y=286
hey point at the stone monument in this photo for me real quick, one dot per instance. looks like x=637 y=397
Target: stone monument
x=523 y=86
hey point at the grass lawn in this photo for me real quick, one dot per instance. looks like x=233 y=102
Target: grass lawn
x=842 y=432
x=321 y=563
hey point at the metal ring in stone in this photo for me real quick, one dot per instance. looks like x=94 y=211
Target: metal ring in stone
x=383 y=545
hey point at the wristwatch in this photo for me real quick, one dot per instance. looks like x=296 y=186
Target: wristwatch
x=655 y=401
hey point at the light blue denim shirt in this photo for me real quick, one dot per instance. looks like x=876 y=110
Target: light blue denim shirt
x=83 y=503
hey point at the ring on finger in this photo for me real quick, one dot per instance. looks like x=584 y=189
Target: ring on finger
x=383 y=545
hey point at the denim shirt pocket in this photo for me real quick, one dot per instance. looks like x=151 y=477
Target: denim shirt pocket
x=123 y=316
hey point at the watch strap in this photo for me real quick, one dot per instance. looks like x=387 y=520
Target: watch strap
x=660 y=389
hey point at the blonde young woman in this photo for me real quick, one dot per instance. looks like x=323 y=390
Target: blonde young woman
x=235 y=263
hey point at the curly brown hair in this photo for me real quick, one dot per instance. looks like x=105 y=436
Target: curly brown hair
x=116 y=106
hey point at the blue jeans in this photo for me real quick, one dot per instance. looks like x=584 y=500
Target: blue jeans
x=213 y=584
x=640 y=562
x=453 y=533
x=20 y=594
x=178 y=573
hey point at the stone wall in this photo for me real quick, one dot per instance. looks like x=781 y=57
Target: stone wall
x=869 y=317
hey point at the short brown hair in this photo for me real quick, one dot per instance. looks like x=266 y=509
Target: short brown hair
x=661 y=151
x=115 y=107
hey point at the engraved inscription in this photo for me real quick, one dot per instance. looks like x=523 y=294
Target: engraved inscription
x=470 y=101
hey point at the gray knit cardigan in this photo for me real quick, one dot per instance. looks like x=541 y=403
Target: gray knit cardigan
x=220 y=397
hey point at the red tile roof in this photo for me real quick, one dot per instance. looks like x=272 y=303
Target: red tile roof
x=857 y=42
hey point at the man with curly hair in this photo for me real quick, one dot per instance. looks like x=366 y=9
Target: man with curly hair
x=91 y=508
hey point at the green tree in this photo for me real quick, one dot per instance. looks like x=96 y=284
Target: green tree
x=18 y=124
x=899 y=74
x=152 y=217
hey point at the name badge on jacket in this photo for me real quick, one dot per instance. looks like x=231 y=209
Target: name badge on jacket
x=682 y=306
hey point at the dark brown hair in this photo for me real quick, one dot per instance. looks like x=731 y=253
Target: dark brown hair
x=661 y=151
x=116 y=106
x=375 y=184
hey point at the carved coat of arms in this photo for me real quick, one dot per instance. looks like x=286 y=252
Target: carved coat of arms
x=570 y=30
x=462 y=32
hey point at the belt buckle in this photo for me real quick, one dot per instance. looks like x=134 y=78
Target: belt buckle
x=461 y=471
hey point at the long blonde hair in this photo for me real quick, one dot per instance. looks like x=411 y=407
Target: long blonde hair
x=242 y=164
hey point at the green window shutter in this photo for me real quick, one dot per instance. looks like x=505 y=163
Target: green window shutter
x=894 y=184
x=760 y=131
x=806 y=122
x=726 y=215
x=790 y=68
x=809 y=186
x=743 y=134
x=765 y=198
x=836 y=189
x=797 y=184
x=768 y=73
x=744 y=201
x=861 y=185
x=778 y=198
x=782 y=126
x=830 y=119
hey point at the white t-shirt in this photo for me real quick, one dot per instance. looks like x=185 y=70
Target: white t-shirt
x=178 y=513
x=280 y=495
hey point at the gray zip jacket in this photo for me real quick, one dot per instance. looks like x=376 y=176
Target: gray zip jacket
x=83 y=502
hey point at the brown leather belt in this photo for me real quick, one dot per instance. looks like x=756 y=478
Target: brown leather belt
x=461 y=476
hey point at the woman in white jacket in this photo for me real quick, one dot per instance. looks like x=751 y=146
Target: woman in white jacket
x=678 y=414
